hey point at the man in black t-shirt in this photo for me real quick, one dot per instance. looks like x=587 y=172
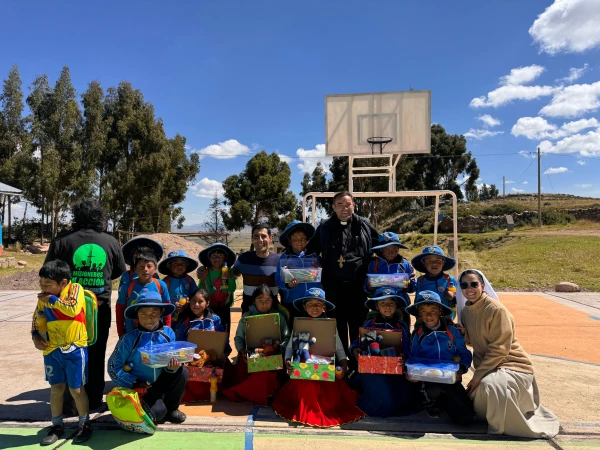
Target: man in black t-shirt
x=95 y=259
x=344 y=241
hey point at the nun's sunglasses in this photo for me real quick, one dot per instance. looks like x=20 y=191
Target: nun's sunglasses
x=472 y=284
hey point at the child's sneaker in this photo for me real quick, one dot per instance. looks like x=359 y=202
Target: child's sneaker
x=432 y=411
x=175 y=417
x=83 y=433
x=54 y=433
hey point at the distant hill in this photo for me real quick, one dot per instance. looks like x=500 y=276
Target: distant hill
x=192 y=227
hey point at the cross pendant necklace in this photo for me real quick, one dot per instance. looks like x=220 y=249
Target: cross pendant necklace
x=341 y=261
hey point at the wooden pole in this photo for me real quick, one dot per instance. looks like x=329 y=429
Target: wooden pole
x=539 y=189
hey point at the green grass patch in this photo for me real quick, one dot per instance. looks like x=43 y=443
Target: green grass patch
x=34 y=262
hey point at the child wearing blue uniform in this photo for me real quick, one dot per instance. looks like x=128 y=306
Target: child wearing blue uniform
x=389 y=261
x=386 y=395
x=59 y=330
x=433 y=263
x=165 y=384
x=145 y=268
x=435 y=339
x=180 y=285
x=296 y=255
x=131 y=249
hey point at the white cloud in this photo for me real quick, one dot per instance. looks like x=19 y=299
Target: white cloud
x=525 y=182
x=310 y=158
x=555 y=170
x=489 y=121
x=509 y=182
x=585 y=144
x=480 y=134
x=522 y=75
x=574 y=74
x=540 y=128
x=580 y=162
x=224 y=150
x=583 y=186
x=567 y=25
x=506 y=94
x=527 y=154
x=518 y=191
x=206 y=188
x=285 y=158
x=573 y=100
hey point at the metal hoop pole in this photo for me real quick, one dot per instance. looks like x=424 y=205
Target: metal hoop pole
x=435 y=219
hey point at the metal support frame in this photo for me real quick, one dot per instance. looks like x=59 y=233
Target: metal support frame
x=388 y=171
x=436 y=194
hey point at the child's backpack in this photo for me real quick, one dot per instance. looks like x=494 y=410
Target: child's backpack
x=126 y=408
x=91 y=316
x=132 y=285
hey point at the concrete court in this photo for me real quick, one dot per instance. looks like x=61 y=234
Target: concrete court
x=561 y=331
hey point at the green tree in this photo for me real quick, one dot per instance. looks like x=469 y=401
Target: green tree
x=94 y=132
x=260 y=193
x=484 y=193
x=214 y=222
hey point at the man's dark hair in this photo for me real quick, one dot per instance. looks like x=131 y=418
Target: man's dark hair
x=146 y=254
x=89 y=214
x=56 y=270
x=260 y=226
x=342 y=194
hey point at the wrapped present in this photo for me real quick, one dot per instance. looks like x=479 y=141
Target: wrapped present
x=159 y=355
x=263 y=342
x=385 y=361
x=213 y=343
x=431 y=370
x=399 y=280
x=204 y=373
x=320 y=363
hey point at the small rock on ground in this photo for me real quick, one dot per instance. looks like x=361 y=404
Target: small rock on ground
x=567 y=287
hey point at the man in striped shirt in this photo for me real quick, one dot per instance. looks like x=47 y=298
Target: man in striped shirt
x=259 y=266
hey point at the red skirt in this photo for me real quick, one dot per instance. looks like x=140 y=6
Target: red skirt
x=317 y=403
x=255 y=388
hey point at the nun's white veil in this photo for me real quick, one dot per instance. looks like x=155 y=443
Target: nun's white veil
x=461 y=299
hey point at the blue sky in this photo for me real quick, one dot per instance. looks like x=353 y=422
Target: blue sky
x=235 y=77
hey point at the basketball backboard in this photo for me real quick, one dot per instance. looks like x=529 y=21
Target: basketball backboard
x=403 y=116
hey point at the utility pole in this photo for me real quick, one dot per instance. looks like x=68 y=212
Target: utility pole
x=539 y=158
x=503 y=186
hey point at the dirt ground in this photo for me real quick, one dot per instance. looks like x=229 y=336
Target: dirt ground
x=172 y=242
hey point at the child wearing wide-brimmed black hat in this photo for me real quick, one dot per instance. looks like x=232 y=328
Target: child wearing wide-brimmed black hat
x=176 y=267
x=134 y=247
x=165 y=384
x=219 y=283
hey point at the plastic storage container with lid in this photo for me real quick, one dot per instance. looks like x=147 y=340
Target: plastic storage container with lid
x=377 y=280
x=302 y=275
x=159 y=355
x=432 y=370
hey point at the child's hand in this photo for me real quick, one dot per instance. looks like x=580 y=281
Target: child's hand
x=201 y=273
x=178 y=307
x=449 y=295
x=292 y=284
x=288 y=367
x=226 y=276
x=472 y=385
x=459 y=375
x=410 y=379
x=173 y=364
x=39 y=343
x=42 y=296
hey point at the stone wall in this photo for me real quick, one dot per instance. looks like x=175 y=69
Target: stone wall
x=477 y=224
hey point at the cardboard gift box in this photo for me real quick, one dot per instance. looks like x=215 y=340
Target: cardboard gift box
x=208 y=340
x=387 y=365
x=258 y=328
x=324 y=330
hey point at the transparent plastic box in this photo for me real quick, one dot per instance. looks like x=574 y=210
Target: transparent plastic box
x=392 y=279
x=308 y=275
x=431 y=370
x=159 y=355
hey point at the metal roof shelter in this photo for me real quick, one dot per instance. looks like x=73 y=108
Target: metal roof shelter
x=5 y=189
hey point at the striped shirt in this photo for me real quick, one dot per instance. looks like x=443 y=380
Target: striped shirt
x=256 y=271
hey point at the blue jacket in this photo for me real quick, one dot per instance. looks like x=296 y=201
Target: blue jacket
x=379 y=322
x=180 y=287
x=379 y=265
x=126 y=351
x=439 y=284
x=294 y=261
x=442 y=344
x=210 y=322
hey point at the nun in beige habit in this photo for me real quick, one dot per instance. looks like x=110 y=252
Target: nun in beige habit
x=503 y=389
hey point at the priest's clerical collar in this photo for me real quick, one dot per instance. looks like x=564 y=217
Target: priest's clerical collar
x=346 y=222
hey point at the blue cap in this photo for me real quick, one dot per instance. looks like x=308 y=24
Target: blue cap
x=147 y=297
x=434 y=250
x=427 y=298
x=388 y=238
x=163 y=267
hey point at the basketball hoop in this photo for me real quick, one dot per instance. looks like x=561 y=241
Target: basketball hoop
x=381 y=140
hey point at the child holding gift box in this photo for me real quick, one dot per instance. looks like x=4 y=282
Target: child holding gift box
x=317 y=403
x=196 y=315
x=176 y=267
x=434 y=263
x=386 y=395
x=436 y=340
x=389 y=261
x=256 y=387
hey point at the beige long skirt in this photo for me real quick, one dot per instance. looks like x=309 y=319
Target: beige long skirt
x=510 y=402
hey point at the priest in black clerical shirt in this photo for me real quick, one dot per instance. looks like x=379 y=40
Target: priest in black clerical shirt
x=344 y=241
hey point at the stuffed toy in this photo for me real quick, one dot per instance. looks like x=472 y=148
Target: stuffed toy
x=269 y=347
x=204 y=358
x=302 y=342
x=371 y=341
